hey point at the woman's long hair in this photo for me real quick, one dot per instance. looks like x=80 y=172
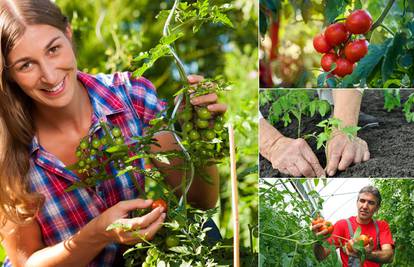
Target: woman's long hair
x=17 y=203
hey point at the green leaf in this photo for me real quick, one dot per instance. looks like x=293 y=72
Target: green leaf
x=162 y=158
x=117 y=148
x=394 y=49
x=333 y=9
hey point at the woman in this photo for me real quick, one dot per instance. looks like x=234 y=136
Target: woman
x=47 y=106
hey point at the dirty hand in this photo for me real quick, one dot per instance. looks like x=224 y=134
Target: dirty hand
x=295 y=157
x=343 y=151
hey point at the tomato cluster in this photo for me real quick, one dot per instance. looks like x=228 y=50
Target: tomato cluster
x=327 y=225
x=340 y=47
x=205 y=135
x=362 y=240
x=90 y=151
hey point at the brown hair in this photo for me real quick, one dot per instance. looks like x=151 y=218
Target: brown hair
x=17 y=202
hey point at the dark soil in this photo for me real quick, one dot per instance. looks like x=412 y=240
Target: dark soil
x=391 y=145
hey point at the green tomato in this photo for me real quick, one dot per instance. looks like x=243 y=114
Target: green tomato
x=119 y=140
x=81 y=163
x=218 y=126
x=96 y=143
x=209 y=146
x=185 y=115
x=93 y=152
x=116 y=132
x=194 y=135
x=172 y=241
x=78 y=153
x=84 y=144
x=202 y=124
x=209 y=134
x=197 y=145
x=104 y=141
x=187 y=126
x=203 y=113
x=219 y=118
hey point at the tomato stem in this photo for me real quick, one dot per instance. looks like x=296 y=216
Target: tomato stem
x=384 y=13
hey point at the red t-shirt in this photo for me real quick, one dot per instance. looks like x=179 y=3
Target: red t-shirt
x=341 y=229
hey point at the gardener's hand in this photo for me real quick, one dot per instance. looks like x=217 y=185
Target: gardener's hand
x=143 y=227
x=209 y=100
x=295 y=157
x=323 y=233
x=343 y=151
x=353 y=253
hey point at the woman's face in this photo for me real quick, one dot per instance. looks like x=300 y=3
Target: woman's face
x=43 y=64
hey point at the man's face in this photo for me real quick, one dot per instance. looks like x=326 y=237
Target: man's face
x=367 y=205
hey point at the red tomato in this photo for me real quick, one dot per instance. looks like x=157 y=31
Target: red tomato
x=317 y=220
x=328 y=226
x=159 y=203
x=336 y=34
x=356 y=50
x=359 y=22
x=327 y=60
x=343 y=67
x=320 y=44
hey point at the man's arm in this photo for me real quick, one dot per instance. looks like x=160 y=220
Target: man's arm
x=385 y=255
x=320 y=252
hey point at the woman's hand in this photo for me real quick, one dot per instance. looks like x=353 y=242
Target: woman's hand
x=143 y=227
x=209 y=100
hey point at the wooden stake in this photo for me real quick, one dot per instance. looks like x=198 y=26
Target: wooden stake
x=234 y=198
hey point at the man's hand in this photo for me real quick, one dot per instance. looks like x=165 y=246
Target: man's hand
x=353 y=253
x=343 y=151
x=295 y=157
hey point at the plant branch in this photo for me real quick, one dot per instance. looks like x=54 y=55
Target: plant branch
x=383 y=14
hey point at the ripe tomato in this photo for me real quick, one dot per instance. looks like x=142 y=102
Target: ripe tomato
x=320 y=44
x=327 y=226
x=359 y=22
x=365 y=241
x=336 y=34
x=317 y=220
x=327 y=60
x=343 y=67
x=356 y=50
x=159 y=203
x=172 y=241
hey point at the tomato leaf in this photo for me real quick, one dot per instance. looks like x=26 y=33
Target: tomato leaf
x=333 y=9
x=394 y=49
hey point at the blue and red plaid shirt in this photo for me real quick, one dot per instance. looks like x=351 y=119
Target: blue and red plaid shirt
x=118 y=100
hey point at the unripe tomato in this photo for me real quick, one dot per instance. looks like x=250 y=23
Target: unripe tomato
x=209 y=134
x=194 y=135
x=159 y=203
x=84 y=144
x=116 y=132
x=343 y=67
x=202 y=124
x=187 y=126
x=356 y=50
x=78 y=153
x=218 y=126
x=320 y=44
x=119 y=140
x=336 y=34
x=203 y=113
x=327 y=60
x=359 y=22
x=186 y=115
x=96 y=143
x=172 y=241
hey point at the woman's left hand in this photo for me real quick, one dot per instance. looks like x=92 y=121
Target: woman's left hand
x=208 y=100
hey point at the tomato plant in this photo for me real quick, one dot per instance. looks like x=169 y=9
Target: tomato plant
x=110 y=148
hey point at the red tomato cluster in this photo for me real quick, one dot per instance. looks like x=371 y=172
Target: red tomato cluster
x=365 y=241
x=338 y=47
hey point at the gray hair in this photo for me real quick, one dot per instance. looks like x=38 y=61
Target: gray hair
x=372 y=190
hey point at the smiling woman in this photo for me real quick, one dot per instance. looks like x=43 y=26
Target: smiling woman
x=46 y=107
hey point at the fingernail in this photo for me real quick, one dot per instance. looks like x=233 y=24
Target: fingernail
x=148 y=201
x=163 y=215
x=193 y=101
x=331 y=173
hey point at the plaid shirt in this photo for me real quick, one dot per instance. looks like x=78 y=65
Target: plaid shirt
x=119 y=100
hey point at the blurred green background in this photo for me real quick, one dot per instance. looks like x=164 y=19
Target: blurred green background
x=109 y=33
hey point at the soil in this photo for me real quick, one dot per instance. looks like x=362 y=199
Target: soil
x=390 y=144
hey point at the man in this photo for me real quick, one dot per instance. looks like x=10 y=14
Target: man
x=380 y=248
x=295 y=157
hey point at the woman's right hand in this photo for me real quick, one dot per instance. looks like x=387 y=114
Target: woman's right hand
x=143 y=227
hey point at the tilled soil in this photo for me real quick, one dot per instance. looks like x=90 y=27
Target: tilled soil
x=391 y=144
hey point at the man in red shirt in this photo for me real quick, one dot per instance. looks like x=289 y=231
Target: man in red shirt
x=380 y=248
